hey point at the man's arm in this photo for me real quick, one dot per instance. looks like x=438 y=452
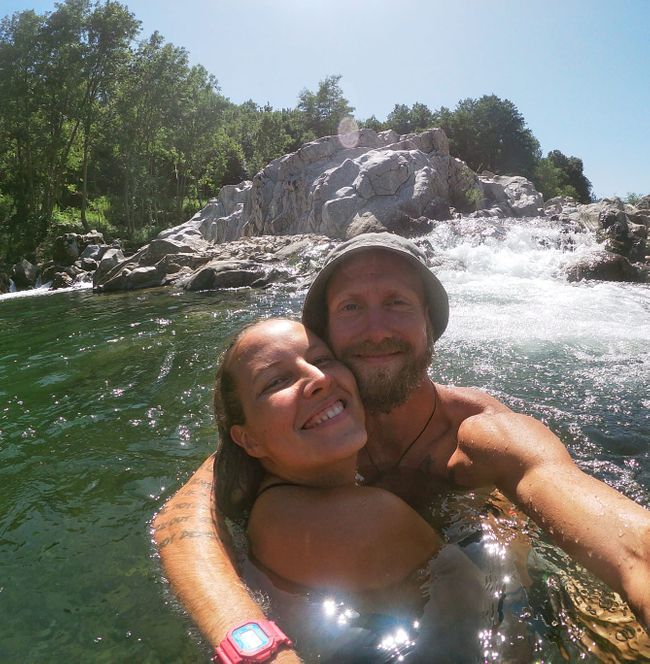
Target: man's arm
x=599 y=527
x=192 y=551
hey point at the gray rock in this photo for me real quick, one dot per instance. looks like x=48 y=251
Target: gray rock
x=605 y=266
x=61 y=280
x=514 y=194
x=24 y=274
x=88 y=264
x=228 y=274
x=93 y=251
x=65 y=250
x=110 y=260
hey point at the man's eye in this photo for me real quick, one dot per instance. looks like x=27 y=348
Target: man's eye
x=350 y=306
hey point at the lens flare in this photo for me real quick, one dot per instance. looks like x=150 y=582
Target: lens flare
x=348 y=132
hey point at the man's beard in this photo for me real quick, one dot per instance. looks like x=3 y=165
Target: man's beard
x=383 y=389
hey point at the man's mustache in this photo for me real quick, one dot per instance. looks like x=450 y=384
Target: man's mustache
x=384 y=347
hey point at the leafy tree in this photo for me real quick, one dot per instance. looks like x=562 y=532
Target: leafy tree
x=106 y=38
x=572 y=168
x=551 y=181
x=374 y=124
x=53 y=71
x=405 y=120
x=490 y=133
x=323 y=110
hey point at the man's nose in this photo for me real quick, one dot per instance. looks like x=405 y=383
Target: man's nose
x=376 y=324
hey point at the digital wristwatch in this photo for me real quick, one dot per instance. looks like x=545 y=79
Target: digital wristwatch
x=252 y=641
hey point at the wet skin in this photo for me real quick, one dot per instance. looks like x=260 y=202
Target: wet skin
x=303 y=416
x=377 y=324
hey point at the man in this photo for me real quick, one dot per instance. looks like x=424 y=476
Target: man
x=381 y=309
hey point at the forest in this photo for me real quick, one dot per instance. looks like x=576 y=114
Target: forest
x=104 y=128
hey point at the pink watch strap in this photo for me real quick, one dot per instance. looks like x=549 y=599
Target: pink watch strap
x=227 y=653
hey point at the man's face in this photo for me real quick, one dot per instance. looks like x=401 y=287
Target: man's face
x=378 y=325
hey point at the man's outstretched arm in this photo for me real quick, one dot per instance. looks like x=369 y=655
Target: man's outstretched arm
x=599 y=527
x=198 y=565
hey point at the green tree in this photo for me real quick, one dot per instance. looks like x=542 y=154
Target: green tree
x=490 y=133
x=105 y=41
x=572 y=167
x=373 y=123
x=551 y=181
x=405 y=120
x=147 y=109
x=323 y=110
x=55 y=72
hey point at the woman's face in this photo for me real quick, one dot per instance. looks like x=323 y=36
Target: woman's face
x=302 y=410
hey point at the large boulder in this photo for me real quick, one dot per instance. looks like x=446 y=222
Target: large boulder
x=65 y=250
x=605 y=265
x=327 y=184
x=229 y=274
x=514 y=195
x=110 y=260
x=24 y=274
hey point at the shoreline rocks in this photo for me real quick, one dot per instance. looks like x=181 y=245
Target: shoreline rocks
x=330 y=190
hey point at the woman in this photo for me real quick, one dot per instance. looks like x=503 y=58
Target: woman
x=291 y=424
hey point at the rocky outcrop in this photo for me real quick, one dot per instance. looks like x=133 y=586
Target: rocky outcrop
x=253 y=262
x=509 y=196
x=332 y=188
x=622 y=228
x=329 y=187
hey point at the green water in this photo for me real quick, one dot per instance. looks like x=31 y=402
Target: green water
x=105 y=412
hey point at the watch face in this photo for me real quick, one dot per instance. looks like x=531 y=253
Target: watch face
x=250 y=638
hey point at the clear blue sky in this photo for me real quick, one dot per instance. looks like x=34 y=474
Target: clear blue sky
x=577 y=70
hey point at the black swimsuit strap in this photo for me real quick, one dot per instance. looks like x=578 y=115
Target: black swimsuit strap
x=272 y=486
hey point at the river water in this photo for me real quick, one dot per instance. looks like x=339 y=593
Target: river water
x=105 y=411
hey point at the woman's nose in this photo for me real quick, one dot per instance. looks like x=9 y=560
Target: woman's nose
x=316 y=379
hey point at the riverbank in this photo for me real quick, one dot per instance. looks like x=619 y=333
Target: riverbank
x=332 y=189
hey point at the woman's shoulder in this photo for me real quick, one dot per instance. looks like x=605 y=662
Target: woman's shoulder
x=346 y=535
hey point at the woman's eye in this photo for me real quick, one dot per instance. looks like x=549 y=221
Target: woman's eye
x=323 y=360
x=273 y=383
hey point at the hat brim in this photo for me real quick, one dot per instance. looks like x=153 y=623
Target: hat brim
x=314 y=313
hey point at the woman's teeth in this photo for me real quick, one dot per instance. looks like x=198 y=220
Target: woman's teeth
x=328 y=414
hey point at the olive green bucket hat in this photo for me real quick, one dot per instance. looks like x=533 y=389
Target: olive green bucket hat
x=314 y=311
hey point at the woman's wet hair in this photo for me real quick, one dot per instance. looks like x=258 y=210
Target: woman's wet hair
x=237 y=475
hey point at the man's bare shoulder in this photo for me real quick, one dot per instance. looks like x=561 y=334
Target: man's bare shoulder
x=463 y=402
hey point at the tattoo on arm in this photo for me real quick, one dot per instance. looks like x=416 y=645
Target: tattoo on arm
x=198 y=534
